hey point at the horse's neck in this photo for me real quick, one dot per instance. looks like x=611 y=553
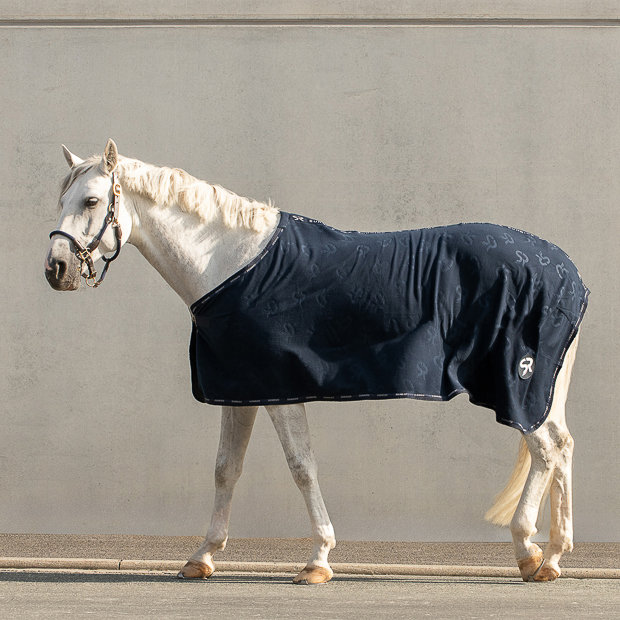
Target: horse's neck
x=192 y=256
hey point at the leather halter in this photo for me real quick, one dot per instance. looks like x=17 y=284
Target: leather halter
x=84 y=253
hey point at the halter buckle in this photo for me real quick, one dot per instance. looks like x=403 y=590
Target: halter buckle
x=91 y=277
x=83 y=255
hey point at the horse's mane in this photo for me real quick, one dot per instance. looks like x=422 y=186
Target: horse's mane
x=167 y=187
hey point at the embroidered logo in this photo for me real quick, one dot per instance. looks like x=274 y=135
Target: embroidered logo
x=526 y=367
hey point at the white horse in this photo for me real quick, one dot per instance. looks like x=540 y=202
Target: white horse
x=197 y=235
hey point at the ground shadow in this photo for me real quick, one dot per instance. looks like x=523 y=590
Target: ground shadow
x=60 y=576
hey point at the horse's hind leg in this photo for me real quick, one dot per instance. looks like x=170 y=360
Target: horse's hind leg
x=561 y=531
x=292 y=428
x=551 y=449
x=237 y=424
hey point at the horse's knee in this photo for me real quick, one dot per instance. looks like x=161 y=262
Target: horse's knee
x=227 y=472
x=304 y=473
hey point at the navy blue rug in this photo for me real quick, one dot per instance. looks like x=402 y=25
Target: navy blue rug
x=323 y=314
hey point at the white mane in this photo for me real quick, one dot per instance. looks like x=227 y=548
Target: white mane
x=172 y=186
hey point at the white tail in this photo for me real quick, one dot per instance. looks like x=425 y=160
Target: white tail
x=506 y=502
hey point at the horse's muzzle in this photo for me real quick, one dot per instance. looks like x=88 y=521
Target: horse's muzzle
x=63 y=272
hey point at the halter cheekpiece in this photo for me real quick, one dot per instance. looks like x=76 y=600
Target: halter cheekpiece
x=84 y=253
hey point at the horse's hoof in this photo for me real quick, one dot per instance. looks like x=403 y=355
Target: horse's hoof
x=547 y=573
x=531 y=565
x=312 y=575
x=195 y=570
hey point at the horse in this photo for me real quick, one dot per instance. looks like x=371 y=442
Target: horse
x=204 y=239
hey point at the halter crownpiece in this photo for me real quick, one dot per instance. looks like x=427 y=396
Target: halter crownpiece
x=84 y=253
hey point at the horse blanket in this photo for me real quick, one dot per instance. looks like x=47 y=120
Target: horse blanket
x=323 y=314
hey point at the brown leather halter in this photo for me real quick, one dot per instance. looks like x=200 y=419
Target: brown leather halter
x=84 y=253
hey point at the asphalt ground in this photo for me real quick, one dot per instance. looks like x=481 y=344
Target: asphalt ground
x=30 y=595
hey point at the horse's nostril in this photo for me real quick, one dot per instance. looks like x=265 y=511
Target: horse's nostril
x=61 y=269
x=55 y=269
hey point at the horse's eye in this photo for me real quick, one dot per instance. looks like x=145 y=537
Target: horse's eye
x=91 y=202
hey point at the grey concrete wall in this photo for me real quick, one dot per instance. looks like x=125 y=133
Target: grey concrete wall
x=86 y=10
x=370 y=125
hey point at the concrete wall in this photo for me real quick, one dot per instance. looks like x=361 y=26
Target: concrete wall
x=367 y=115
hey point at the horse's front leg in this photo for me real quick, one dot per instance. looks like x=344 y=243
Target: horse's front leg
x=292 y=428
x=237 y=423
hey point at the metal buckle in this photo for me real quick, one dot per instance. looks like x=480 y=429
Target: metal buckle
x=83 y=255
x=93 y=277
x=116 y=189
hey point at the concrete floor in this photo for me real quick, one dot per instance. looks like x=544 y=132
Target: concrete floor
x=28 y=595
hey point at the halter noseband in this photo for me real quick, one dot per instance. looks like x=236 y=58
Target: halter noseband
x=84 y=253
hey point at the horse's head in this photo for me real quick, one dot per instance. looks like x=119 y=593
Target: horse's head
x=93 y=214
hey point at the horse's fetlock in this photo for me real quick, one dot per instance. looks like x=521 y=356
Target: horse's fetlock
x=325 y=537
x=521 y=530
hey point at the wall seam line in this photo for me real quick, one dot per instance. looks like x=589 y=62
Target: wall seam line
x=313 y=22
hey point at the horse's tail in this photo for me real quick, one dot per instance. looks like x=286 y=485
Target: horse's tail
x=506 y=502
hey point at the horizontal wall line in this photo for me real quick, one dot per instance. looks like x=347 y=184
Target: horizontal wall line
x=303 y=21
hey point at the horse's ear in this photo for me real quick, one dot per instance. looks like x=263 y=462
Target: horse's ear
x=110 y=157
x=72 y=160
